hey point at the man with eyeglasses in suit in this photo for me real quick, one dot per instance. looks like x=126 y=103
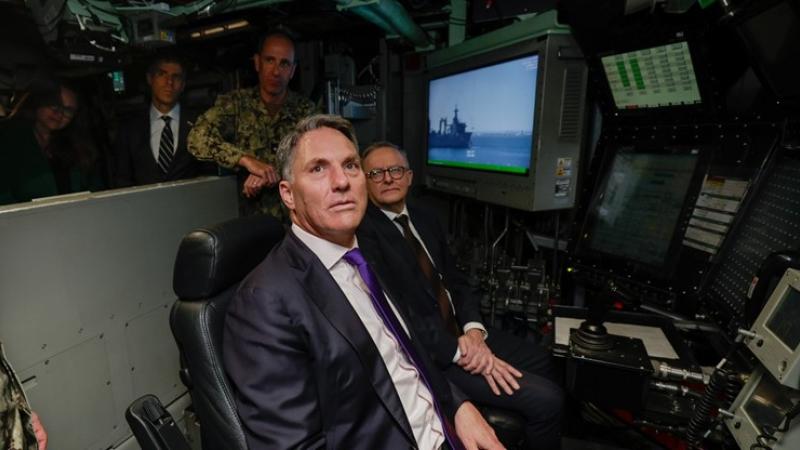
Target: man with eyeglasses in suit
x=490 y=366
x=244 y=127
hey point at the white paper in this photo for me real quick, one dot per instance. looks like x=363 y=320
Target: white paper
x=655 y=341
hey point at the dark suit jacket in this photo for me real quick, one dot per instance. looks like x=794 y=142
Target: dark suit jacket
x=134 y=163
x=305 y=370
x=423 y=306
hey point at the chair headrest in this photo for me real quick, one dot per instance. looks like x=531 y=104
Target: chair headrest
x=211 y=259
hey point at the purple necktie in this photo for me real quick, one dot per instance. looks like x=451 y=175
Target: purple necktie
x=355 y=258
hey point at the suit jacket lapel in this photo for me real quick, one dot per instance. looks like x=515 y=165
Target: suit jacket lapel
x=390 y=284
x=325 y=293
x=394 y=239
x=186 y=117
x=183 y=133
x=148 y=163
x=396 y=290
x=143 y=138
x=426 y=231
x=179 y=146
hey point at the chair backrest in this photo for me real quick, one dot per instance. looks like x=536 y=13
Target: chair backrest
x=211 y=262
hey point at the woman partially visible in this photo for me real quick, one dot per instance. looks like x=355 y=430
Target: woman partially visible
x=47 y=150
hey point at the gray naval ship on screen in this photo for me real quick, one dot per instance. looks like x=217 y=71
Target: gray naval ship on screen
x=454 y=135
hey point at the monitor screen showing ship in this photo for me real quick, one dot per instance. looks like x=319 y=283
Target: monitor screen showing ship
x=483 y=119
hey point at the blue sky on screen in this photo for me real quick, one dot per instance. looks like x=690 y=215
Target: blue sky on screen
x=497 y=98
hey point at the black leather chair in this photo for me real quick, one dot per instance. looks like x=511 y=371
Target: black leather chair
x=211 y=262
x=153 y=426
x=508 y=425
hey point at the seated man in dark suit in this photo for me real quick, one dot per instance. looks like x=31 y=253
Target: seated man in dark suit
x=316 y=340
x=151 y=147
x=490 y=366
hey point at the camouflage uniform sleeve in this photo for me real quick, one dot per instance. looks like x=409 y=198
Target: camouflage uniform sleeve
x=206 y=140
x=16 y=431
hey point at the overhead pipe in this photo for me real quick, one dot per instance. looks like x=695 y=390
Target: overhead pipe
x=457 y=24
x=389 y=15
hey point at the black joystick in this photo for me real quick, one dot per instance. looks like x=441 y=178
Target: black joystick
x=592 y=335
x=604 y=368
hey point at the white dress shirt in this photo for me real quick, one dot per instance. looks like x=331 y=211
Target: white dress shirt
x=467 y=326
x=157 y=126
x=415 y=397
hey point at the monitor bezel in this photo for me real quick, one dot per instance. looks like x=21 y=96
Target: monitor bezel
x=782 y=361
x=560 y=114
x=743 y=427
x=701 y=73
x=620 y=264
x=487 y=59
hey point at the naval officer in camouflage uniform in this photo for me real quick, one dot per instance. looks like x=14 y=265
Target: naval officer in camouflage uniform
x=244 y=127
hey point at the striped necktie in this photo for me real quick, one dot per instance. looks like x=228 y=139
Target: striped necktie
x=167 y=147
x=430 y=272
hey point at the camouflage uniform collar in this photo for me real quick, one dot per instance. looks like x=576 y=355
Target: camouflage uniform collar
x=293 y=100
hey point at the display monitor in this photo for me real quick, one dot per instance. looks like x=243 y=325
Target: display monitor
x=652 y=77
x=784 y=322
x=474 y=124
x=505 y=125
x=637 y=207
x=777 y=330
x=762 y=406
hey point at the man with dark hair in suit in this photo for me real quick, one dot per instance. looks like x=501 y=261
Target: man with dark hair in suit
x=489 y=366
x=316 y=340
x=151 y=147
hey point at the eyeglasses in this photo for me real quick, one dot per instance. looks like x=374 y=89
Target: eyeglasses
x=395 y=173
x=67 y=111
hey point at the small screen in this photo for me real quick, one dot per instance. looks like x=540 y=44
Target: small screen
x=117 y=80
x=784 y=321
x=652 y=77
x=483 y=119
x=637 y=211
x=770 y=402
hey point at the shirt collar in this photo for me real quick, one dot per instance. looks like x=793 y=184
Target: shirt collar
x=327 y=252
x=393 y=215
x=174 y=113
